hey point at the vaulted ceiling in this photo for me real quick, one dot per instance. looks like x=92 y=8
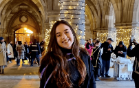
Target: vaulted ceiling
x=96 y=11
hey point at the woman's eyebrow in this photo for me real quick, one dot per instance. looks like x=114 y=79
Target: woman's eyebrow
x=65 y=29
x=58 y=33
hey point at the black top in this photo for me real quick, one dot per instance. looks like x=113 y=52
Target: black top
x=15 y=51
x=26 y=49
x=35 y=49
x=134 y=53
x=74 y=73
x=72 y=65
x=106 y=54
x=122 y=49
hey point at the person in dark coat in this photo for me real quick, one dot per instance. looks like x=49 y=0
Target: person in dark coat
x=65 y=65
x=94 y=41
x=97 y=60
x=121 y=50
x=26 y=51
x=15 y=51
x=134 y=52
x=20 y=49
x=42 y=44
x=107 y=50
x=35 y=52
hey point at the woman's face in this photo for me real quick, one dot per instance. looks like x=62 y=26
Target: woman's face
x=64 y=36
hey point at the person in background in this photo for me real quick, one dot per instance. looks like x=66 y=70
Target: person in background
x=134 y=52
x=26 y=51
x=10 y=51
x=65 y=65
x=86 y=42
x=121 y=50
x=97 y=60
x=94 y=41
x=89 y=47
x=29 y=51
x=35 y=52
x=15 y=51
x=42 y=49
x=6 y=52
x=107 y=50
x=3 y=61
x=42 y=44
x=20 y=49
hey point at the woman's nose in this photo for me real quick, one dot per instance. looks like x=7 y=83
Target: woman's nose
x=64 y=36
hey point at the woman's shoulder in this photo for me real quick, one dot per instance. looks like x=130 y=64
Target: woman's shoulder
x=84 y=55
x=45 y=60
x=83 y=51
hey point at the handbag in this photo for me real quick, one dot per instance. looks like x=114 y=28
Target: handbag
x=135 y=73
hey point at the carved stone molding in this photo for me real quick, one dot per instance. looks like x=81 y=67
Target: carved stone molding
x=23 y=18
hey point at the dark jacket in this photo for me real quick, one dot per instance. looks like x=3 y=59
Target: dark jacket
x=134 y=52
x=89 y=81
x=123 y=49
x=26 y=49
x=15 y=51
x=97 y=60
x=96 y=56
x=106 y=54
x=35 y=49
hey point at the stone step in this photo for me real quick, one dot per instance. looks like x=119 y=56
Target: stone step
x=19 y=77
x=12 y=71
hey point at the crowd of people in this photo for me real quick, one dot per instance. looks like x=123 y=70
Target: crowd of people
x=19 y=51
x=100 y=55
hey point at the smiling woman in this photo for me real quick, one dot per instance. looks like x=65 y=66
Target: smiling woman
x=65 y=65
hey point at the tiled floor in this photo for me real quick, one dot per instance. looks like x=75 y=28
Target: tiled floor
x=27 y=77
x=22 y=83
x=34 y=83
x=111 y=83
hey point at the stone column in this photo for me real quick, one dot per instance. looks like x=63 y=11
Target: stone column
x=135 y=34
x=111 y=28
x=73 y=11
x=112 y=34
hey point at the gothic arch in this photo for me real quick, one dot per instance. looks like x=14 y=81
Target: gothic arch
x=18 y=15
x=6 y=10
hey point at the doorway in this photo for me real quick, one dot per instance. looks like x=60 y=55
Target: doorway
x=24 y=35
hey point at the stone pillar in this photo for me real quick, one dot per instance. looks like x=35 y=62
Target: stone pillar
x=112 y=34
x=135 y=34
x=73 y=11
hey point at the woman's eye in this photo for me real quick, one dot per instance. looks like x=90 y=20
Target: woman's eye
x=58 y=35
x=67 y=32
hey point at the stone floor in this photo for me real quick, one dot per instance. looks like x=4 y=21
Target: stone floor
x=27 y=77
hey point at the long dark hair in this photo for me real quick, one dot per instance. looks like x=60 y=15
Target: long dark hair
x=56 y=58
